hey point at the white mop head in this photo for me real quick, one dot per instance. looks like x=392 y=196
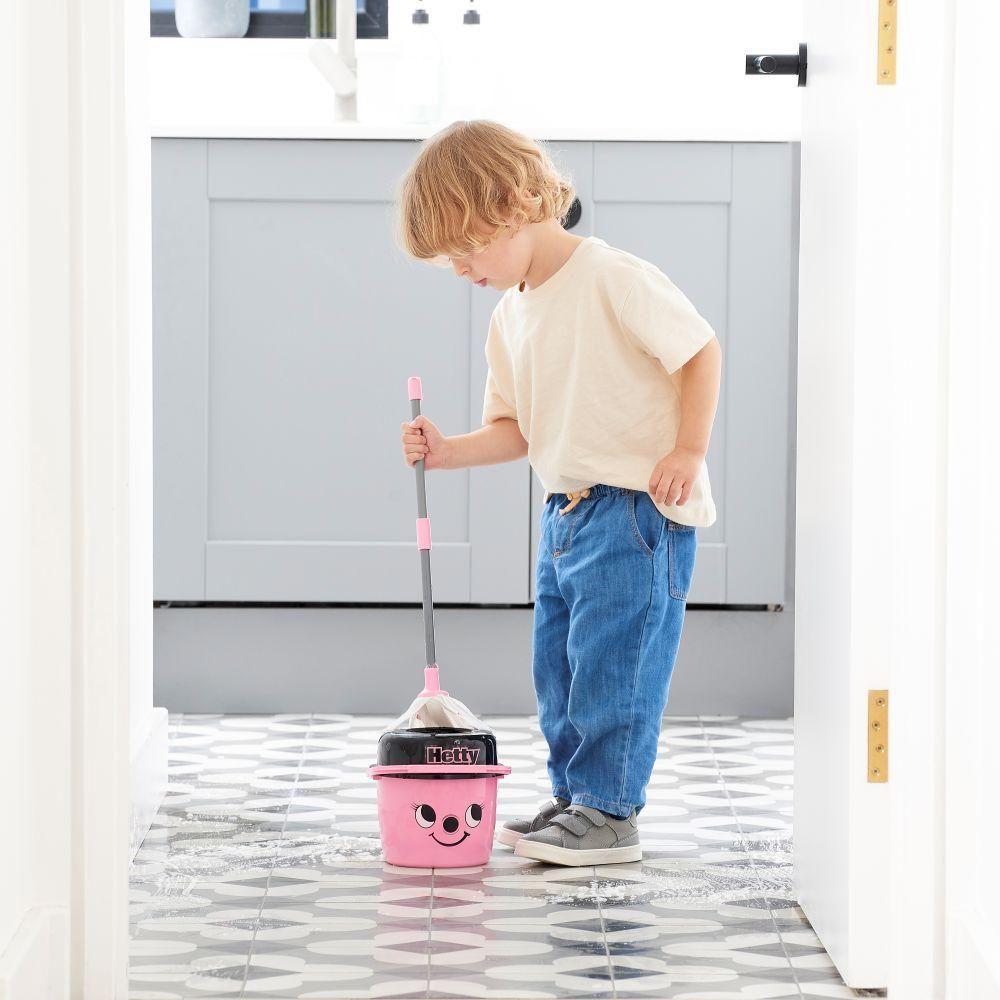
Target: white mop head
x=436 y=709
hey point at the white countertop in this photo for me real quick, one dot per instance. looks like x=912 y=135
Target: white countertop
x=268 y=88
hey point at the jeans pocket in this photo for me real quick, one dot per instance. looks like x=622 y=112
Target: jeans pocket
x=561 y=528
x=682 y=546
x=646 y=522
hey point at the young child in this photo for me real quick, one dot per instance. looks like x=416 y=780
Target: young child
x=605 y=375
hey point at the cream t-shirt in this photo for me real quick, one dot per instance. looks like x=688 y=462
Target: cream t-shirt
x=588 y=363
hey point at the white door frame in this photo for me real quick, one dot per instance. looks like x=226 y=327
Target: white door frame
x=99 y=156
x=100 y=36
x=871 y=500
x=101 y=192
x=70 y=280
x=906 y=515
x=972 y=681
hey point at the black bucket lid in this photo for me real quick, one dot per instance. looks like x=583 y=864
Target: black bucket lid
x=444 y=745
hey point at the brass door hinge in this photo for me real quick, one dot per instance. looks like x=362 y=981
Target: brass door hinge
x=878 y=735
x=886 y=41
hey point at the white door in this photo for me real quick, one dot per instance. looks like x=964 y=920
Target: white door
x=893 y=541
x=841 y=821
x=972 y=681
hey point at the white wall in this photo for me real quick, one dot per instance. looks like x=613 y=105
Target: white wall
x=75 y=567
x=147 y=725
x=35 y=514
x=667 y=68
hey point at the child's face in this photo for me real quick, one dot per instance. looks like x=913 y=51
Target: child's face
x=500 y=265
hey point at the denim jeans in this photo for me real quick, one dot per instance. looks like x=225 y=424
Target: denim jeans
x=611 y=585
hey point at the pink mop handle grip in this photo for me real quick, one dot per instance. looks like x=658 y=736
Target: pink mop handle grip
x=432 y=686
x=423 y=532
x=414 y=387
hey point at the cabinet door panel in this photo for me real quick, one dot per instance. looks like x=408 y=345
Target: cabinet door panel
x=717 y=219
x=298 y=346
x=286 y=321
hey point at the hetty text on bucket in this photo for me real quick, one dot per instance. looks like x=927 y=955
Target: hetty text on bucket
x=451 y=755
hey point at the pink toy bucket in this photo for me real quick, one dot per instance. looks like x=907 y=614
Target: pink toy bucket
x=437 y=796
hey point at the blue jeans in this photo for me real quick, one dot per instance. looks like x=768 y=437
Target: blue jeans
x=611 y=585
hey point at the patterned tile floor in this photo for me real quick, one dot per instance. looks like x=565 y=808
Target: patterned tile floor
x=262 y=878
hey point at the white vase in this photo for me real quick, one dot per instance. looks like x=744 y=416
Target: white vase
x=212 y=18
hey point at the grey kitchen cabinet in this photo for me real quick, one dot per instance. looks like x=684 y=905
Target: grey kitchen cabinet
x=286 y=322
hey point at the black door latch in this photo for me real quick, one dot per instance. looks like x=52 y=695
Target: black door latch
x=767 y=65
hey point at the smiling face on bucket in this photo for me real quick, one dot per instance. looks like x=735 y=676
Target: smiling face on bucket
x=444 y=821
x=448 y=830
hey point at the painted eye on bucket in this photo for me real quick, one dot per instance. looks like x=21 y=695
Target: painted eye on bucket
x=474 y=814
x=425 y=815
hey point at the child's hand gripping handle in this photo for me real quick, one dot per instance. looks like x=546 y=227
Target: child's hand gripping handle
x=423 y=534
x=415 y=391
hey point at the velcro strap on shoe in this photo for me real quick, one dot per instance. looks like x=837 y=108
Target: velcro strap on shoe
x=594 y=815
x=574 y=822
x=585 y=817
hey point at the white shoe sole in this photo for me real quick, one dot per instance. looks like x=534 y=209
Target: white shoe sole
x=508 y=837
x=553 y=855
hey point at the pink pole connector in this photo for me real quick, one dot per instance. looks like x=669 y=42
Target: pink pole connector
x=423 y=532
x=415 y=389
x=432 y=686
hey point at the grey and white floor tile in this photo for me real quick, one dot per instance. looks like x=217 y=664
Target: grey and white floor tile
x=263 y=877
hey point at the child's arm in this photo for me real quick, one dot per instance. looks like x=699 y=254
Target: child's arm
x=700 y=380
x=673 y=476
x=664 y=323
x=498 y=441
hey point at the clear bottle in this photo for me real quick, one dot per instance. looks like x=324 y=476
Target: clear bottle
x=419 y=79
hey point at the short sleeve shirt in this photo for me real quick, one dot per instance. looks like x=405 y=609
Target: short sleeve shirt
x=588 y=363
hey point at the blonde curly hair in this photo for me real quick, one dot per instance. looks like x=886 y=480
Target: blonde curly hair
x=470 y=181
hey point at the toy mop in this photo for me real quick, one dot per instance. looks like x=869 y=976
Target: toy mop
x=437 y=769
x=432 y=707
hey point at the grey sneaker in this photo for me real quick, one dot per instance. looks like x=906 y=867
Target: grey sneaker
x=514 y=829
x=583 y=836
